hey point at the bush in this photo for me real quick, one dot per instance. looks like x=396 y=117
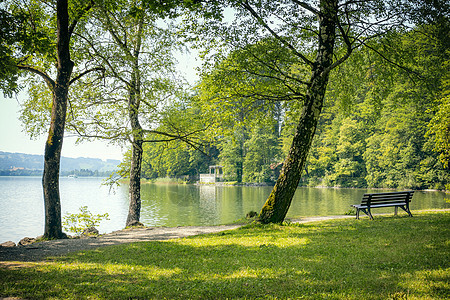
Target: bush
x=77 y=223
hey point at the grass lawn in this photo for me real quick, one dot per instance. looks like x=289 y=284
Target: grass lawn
x=388 y=258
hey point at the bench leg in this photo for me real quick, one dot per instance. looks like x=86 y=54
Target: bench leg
x=367 y=212
x=357 y=213
x=395 y=210
x=407 y=210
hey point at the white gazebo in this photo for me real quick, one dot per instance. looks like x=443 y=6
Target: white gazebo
x=215 y=174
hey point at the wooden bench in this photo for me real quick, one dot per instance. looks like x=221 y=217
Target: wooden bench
x=395 y=199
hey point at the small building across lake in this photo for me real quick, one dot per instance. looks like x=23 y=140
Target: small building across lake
x=215 y=175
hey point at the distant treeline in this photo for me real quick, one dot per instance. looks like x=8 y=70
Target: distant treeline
x=20 y=164
x=21 y=172
x=382 y=126
x=80 y=173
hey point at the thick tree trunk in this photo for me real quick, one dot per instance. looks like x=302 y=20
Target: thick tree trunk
x=279 y=201
x=50 y=178
x=134 y=211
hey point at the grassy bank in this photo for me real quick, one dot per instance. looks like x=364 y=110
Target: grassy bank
x=388 y=258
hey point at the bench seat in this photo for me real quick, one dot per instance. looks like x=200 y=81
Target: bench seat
x=377 y=200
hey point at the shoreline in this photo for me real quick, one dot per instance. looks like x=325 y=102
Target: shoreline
x=40 y=251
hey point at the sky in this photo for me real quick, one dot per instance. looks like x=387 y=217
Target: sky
x=14 y=139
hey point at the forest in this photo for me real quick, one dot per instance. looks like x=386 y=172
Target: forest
x=318 y=93
x=381 y=127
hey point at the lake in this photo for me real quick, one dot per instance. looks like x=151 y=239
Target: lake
x=22 y=208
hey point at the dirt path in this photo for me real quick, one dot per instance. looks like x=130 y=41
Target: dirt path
x=39 y=251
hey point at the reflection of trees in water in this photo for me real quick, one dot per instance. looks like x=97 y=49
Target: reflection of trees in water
x=152 y=205
x=178 y=205
x=173 y=205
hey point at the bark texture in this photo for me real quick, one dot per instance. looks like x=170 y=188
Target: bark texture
x=50 y=178
x=279 y=201
x=134 y=211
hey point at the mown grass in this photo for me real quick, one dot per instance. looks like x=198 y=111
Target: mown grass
x=388 y=258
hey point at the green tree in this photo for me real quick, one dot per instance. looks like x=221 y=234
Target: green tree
x=300 y=59
x=439 y=131
x=391 y=107
x=176 y=159
x=44 y=48
x=348 y=169
x=139 y=100
x=10 y=33
x=232 y=155
x=262 y=150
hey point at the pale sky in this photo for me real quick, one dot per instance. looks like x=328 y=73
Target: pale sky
x=13 y=139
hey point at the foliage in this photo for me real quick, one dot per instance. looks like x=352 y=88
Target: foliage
x=439 y=130
x=26 y=39
x=380 y=124
x=8 y=33
x=388 y=258
x=378 y=128
x=173 y=159
x=136 y=53
x=232 y=154
x=262 y=150
x=77 y=223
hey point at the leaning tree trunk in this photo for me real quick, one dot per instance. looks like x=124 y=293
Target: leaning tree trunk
x=50 y=178
x=279 y=201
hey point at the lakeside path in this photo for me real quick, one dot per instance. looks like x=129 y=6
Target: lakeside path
x=41 y=250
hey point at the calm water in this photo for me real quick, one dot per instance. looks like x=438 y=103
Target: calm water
x=22 y=208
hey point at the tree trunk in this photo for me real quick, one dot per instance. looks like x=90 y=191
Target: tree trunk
x=279 y=201
x=50 y=178
x=134 y=211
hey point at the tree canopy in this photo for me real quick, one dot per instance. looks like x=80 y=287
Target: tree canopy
x=329 y=92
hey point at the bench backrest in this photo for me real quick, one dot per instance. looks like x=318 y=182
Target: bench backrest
x=387 y=198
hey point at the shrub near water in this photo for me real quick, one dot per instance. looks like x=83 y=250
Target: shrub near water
x=388 y=258
x=77 y=223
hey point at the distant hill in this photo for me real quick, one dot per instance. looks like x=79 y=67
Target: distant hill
x=20 y=161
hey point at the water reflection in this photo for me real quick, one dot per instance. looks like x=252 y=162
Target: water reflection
x=22 y=209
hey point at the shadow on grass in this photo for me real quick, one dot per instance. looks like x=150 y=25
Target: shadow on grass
x=346 y=259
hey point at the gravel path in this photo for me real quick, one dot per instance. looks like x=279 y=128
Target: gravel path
x=39 y=251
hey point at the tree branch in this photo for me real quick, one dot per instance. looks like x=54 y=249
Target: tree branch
x=80 y=14
x=307 y=7
x=106 y=60
x=173 y=137
x=247 y=6
x=118 y=136
x=390 y=61
x=48 y=80
x=86 y=72
x=347 y=54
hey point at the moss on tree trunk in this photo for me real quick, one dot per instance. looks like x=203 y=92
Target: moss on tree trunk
x=52 y=156
x=279 y=201
x=134 y=191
